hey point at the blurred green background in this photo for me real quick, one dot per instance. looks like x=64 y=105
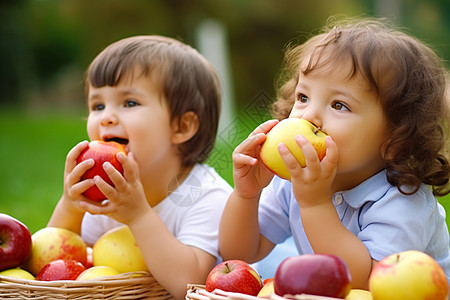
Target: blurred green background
x=47 y=45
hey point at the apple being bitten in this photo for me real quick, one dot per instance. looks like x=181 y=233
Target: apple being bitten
x=314 y=274
x=411 y=275
x=117 y=249
x=15 y=242
x=61 y=269
x=101 y=152
x=285 y=132
x=51 y=243
x=234 y=276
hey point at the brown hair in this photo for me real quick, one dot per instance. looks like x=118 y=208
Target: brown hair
x=189 y=83
x=409 y=80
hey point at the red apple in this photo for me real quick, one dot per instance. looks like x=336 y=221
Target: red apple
x=314 y=274
x=101 y=152
x=408 y=275
x=51 y=243
x=234 y=276
x=285 y=132
x=61 y=269
x=15 y=242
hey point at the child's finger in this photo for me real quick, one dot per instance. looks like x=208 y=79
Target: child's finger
x=81 y=187
x=311 y=158
x=250 y=143
x=240 y=159
x=331 y=157
x=288 y=158
x=104 y=187
x=71 y=158
x=264 y=127
x=130 y=166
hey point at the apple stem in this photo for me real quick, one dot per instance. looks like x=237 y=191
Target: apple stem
x=228 y=268
x=398 y=257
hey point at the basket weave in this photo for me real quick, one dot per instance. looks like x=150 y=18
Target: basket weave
x=134 y=285
x=198 y=292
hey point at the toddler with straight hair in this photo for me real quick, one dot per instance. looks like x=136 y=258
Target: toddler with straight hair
x=161 y=99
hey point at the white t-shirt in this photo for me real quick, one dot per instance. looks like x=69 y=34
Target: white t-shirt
x=191 y=213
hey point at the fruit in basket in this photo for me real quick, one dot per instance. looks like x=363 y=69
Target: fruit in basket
x=267 y=289
x=61 y=269
x=117 y=249
x=314 y=274
x=100 y=152
x=15 y=242
x=408 y=275
x=285 y=132
x=359 y=294
x=51 y=243
x=17 y=273
x=234 y=276
x=96 y=272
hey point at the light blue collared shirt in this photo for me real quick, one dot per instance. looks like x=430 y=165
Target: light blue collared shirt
x=384 y=219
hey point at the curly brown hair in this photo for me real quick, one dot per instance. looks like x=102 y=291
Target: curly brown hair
x=188 y=83
x=409 y=79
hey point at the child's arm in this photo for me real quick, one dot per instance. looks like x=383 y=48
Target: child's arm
x=172 y=263
x=68 y=212
x=239 y=236
x=313 y=191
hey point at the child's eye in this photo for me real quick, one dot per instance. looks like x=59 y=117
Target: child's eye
x=339 y=106
x=97 y=106
x=302 y=98
x=131 y=103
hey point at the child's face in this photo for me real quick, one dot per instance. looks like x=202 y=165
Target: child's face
x=350 y=113
x=134 y=113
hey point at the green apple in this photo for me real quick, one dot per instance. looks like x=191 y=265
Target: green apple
x=408 y=275
x=117 y=249
x=285 y=132
x=52 y=243
x=97 y=272
x=17 y=273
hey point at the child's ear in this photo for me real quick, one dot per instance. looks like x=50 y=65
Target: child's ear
x=185 y=127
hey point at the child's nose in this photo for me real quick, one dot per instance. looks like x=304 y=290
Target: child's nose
x=108 y=118
x=313 y=115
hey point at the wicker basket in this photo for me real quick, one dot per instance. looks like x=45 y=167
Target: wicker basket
x=198 y=292
x=135 y=285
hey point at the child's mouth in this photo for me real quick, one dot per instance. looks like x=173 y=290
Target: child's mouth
x=117 y=140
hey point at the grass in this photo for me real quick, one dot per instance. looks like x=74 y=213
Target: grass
x=33 y=150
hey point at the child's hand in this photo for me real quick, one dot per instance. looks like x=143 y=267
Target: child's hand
x=126 y=200
x=249 y=173
x=311 y=184
x=73 y=187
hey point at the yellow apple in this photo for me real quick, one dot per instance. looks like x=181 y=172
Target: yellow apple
x=358 y=294
x=51 y=243
x=408 y=275
x=267 y=289
x=117 y=249
x=96 y=272
x=285 y=132
x=17 y=273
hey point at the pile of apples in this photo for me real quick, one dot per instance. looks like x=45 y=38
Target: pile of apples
x=60 y=254
x=408 y=275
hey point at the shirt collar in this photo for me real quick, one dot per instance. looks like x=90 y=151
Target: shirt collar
x=372 y=189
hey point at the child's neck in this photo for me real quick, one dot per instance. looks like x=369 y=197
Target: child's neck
x=161 y=187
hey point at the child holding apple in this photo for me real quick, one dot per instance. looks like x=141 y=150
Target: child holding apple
x=161 y=99
x=379 y=95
